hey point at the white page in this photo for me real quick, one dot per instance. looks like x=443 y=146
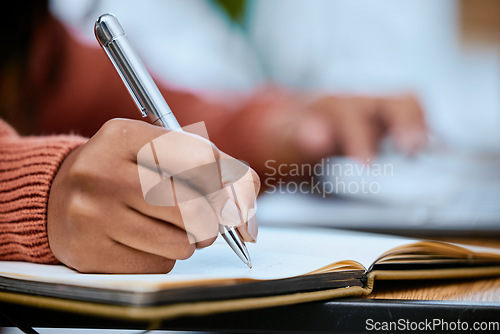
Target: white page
x=279 y=253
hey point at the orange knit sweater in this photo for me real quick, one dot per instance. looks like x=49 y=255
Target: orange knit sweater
x=27 y=167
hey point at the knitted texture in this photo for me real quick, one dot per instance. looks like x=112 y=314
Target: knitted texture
x=27 y=167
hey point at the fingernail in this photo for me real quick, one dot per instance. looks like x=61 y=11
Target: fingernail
x=230 y=214
x=252 y=226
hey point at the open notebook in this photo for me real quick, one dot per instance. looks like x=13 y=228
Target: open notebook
x=290 y=265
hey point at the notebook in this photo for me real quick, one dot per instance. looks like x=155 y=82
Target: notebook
x=290 y=265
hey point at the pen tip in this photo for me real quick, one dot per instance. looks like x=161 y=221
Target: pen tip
x=249 y=265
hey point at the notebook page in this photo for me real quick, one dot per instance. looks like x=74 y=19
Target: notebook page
x=279 y=253
x=287 y=252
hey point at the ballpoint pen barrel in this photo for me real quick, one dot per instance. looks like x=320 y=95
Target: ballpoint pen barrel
x=133 y=72
x=145 y=93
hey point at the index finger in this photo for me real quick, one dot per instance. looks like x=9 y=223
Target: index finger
x=243 y=186
x=405 y=120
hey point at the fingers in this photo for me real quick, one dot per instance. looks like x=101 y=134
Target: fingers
x=184 y=201
x=151 y=235
x=154 y=147
x=179 y=169
x=359 y=123
x=357 y=131
x=112 y=210
x=117 y=258
x=190 y=212
x=178 y=154
x=128 y=136
x=405 y=120
x=315 y=136
x=242 y=185
x=182 y=170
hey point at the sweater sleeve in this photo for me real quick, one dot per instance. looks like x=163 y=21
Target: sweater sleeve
x=27 y=167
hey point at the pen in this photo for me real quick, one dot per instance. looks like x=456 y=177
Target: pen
x=147 y=97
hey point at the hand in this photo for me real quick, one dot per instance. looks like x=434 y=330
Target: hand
x=99 y=221
x=345 y=125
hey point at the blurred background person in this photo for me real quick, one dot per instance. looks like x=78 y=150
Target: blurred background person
x=50 y=71
x=445 y=55
x=339 y=46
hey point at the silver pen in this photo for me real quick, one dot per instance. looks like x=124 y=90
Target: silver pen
x=147 y=96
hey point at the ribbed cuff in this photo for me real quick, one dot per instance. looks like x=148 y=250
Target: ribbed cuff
x=27 y=167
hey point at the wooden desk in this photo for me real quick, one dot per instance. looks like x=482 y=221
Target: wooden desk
x=418 y=301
